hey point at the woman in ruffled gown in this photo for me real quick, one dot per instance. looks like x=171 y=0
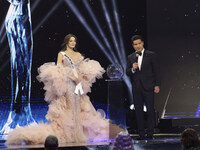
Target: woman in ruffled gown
x=71 y=116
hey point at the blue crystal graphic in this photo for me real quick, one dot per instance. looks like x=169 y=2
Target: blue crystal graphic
x=20 y=38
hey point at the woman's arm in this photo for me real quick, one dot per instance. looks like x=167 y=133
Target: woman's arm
x=60 y=58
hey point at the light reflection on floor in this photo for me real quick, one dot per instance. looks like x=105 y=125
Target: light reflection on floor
x=161 y=141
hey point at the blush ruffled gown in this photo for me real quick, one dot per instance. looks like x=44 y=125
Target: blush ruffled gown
x=72 y=117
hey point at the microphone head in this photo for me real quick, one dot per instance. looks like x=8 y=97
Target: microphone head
x=138 y=54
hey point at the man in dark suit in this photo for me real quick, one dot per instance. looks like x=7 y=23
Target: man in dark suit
x=143 y=69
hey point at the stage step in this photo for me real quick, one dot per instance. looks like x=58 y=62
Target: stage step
x=177 y=125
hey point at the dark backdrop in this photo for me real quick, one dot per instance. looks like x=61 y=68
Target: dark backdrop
x=174 y=33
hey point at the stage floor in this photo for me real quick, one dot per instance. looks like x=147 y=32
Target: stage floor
x=160 y=142
x=39 y=110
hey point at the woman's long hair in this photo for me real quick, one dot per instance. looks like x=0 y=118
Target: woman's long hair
x=66 y=41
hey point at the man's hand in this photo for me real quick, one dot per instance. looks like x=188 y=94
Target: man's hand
x=135 y=66
x=156 y=89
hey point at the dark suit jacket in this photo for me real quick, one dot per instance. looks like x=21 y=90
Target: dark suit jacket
x=149 y=75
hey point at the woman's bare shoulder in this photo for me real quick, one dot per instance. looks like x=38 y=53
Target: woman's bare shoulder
x=60 y=54
x=78 y=54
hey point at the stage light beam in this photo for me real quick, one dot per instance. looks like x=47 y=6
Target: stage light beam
x=85 y=2
x=88 y=28
x=47 y=16
x=2 y=31
x=116 y=16
x=108 y=19
x=122 y=50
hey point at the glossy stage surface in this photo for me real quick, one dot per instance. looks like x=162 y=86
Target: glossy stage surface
x=160 y=142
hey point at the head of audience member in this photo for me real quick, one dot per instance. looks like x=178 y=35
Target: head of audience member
x=123 y=141
x=190 y=139
x=51 y=143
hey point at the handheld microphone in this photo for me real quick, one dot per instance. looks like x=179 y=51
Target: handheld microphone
x=137 y=55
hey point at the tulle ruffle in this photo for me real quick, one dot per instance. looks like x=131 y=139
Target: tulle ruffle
x=55 y=79
x=90 y=70
x=72 y=118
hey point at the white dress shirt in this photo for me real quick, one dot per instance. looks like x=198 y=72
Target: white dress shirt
x=140 y=58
